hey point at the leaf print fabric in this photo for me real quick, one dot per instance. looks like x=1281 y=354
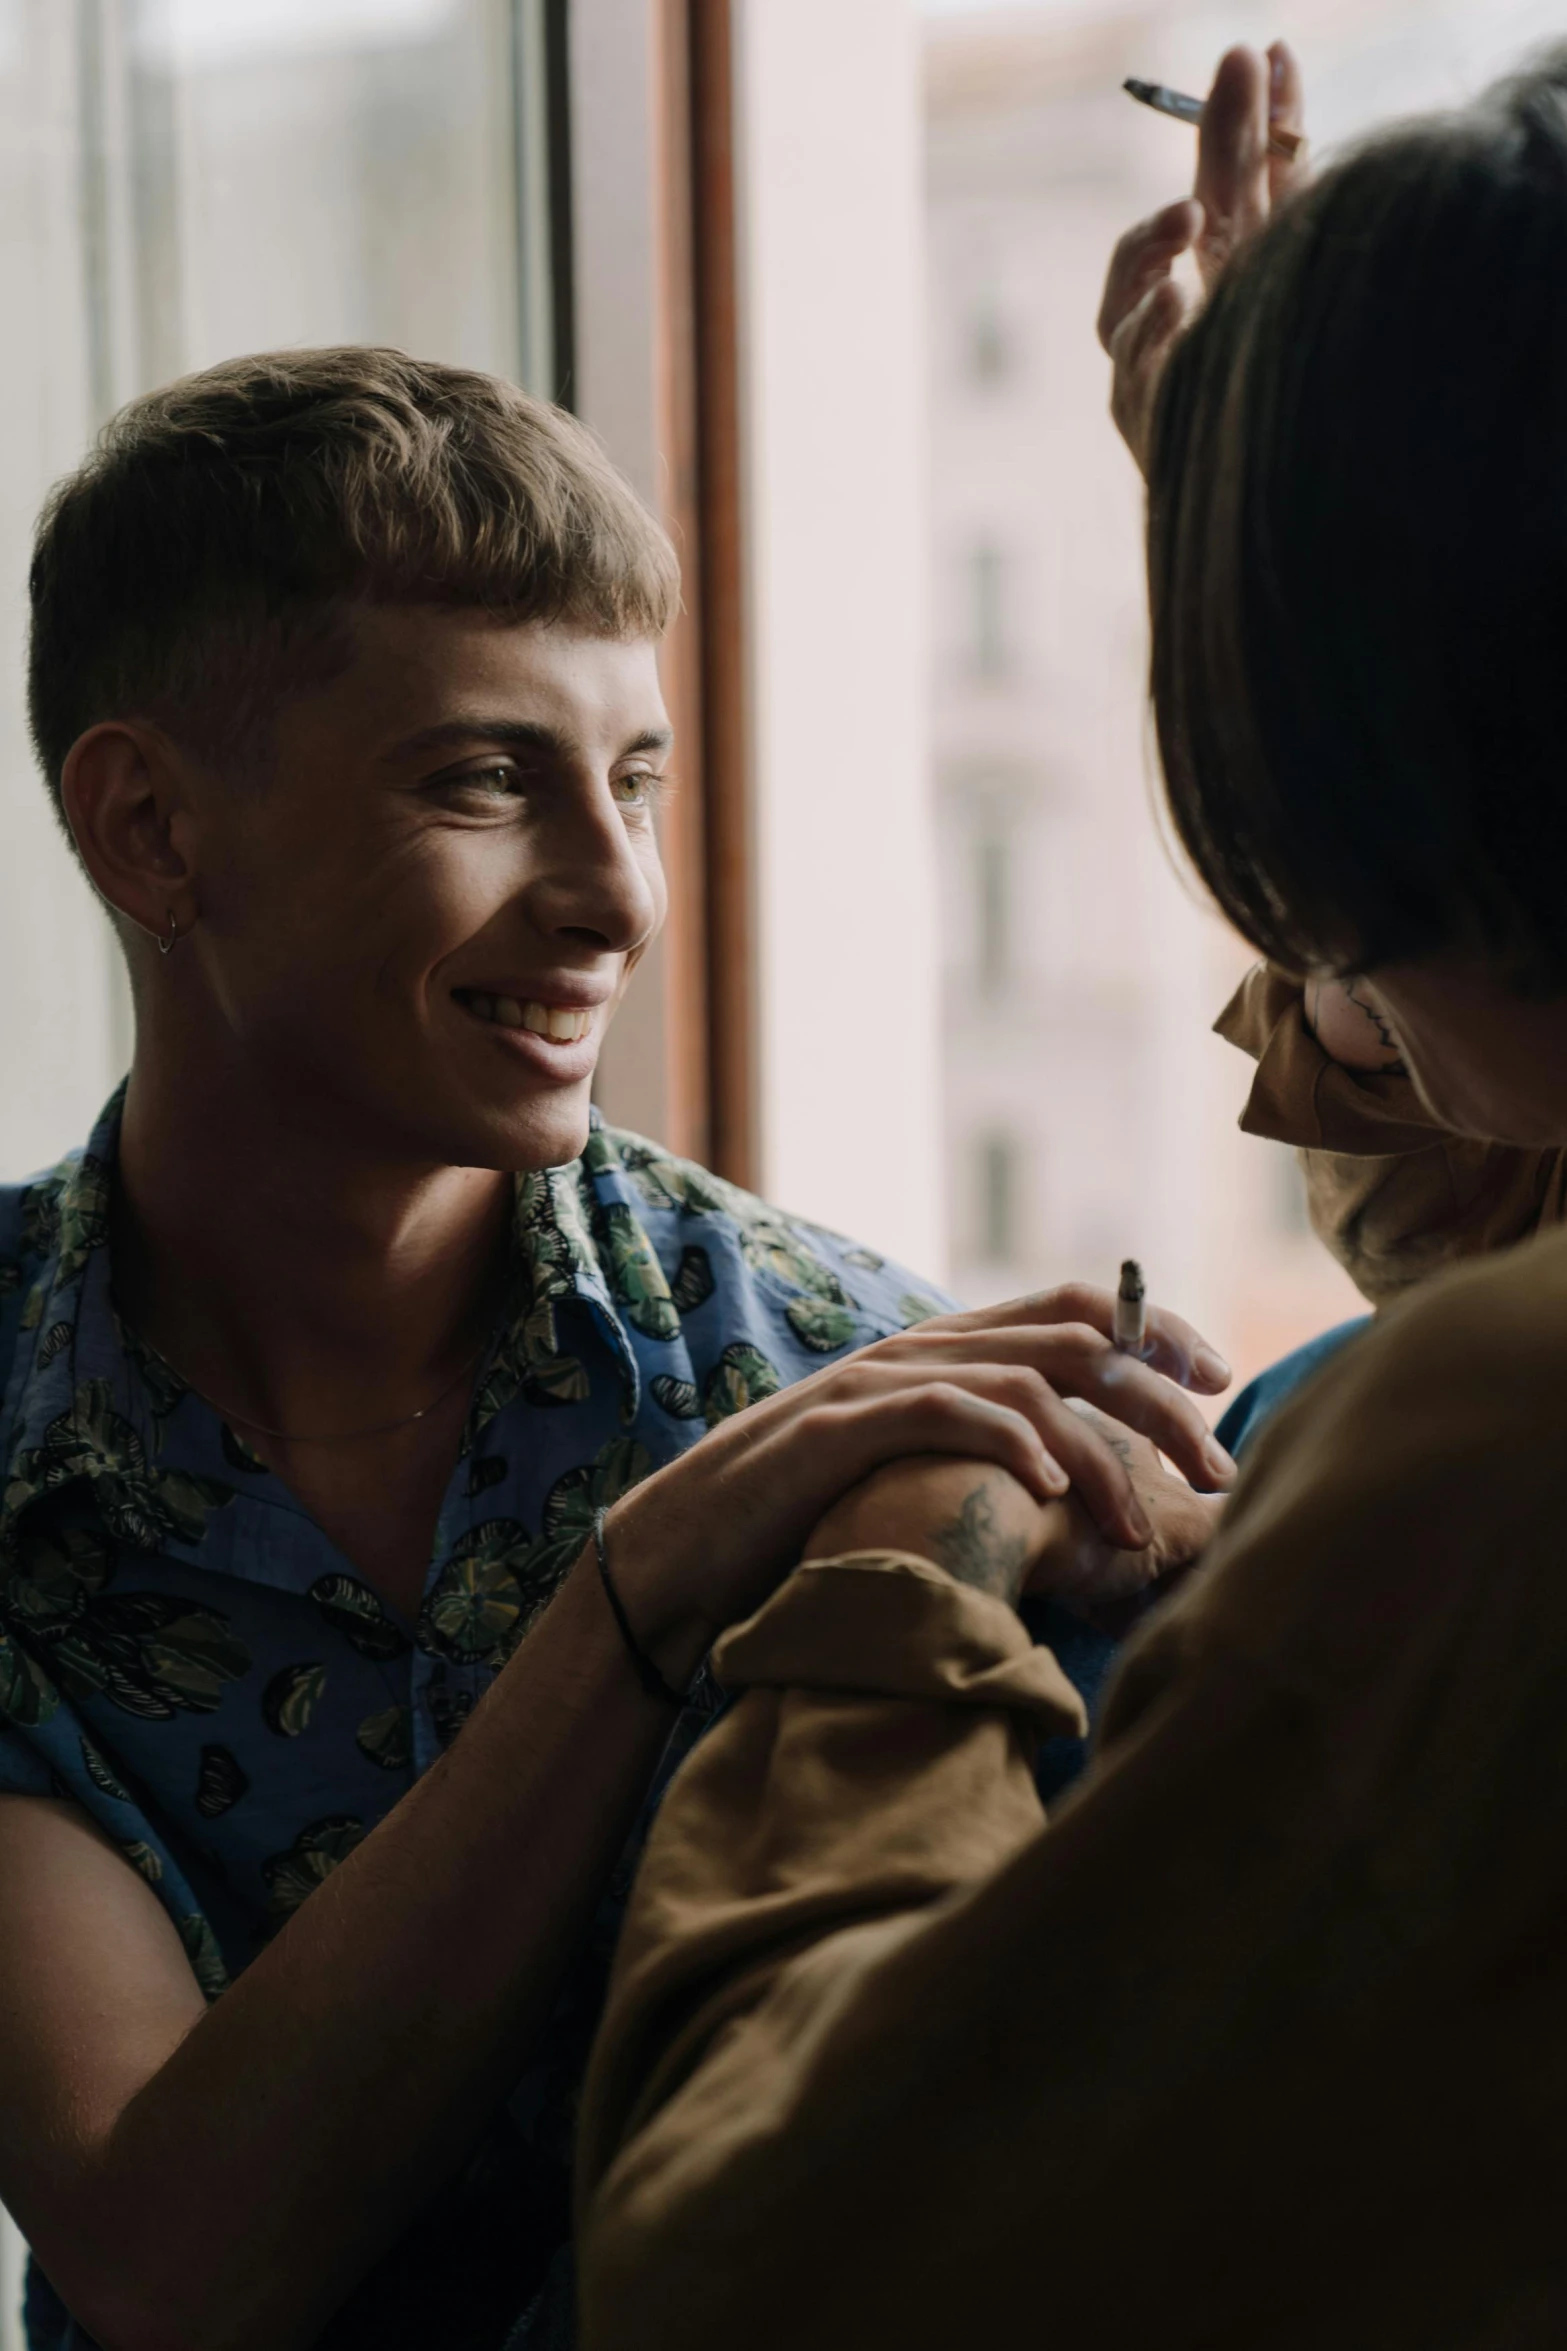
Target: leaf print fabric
x=317 y=1850
x=475 y=1606
x=142 y=1503
x=222 y=1782
x=387 y=1738
x=187 y=1656
x=637 y=1277
x=741 y=1376
x=147 y=1652
x=678 y=1398
x=694 y=1281
x=291 y=1698
x=356 y=1612
x=824 y=1326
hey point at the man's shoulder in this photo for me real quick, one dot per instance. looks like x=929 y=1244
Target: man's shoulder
x=834 y=1285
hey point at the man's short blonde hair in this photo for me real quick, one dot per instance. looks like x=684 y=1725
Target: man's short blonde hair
x=196 y=568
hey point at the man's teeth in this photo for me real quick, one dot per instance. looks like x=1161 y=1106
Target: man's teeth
x=563 y=1024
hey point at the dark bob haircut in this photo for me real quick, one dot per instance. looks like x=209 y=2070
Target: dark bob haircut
x=1358 y=555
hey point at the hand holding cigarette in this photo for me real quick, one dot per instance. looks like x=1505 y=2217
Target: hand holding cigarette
x=1253 y=112
x=1181 y=108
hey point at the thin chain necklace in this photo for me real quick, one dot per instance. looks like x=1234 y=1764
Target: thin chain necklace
x=382 y=1428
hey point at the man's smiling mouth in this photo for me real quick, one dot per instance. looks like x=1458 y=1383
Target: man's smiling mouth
x=562 y=1024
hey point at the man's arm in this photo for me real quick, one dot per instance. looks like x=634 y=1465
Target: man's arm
x=197 y=2178
x=1392 y=1194
x=217 y=2179
x=887 y=2062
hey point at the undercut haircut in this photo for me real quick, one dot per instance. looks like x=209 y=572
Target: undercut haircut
x=1357 y=555
x=197 y=568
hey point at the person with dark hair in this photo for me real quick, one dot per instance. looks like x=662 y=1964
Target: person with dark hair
x=358 y=1556
x=1262 y=2041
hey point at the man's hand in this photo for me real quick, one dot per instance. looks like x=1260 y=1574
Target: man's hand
x=985 y=1529
x=1238 y=182
x=703 y=1541
x=1076 y=1563
x=975 y=1521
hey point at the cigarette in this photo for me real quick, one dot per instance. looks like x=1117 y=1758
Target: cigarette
x=1129 y=1327
x=1175 y=102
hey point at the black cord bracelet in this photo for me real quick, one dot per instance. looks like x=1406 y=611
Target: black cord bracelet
x=647 y=1672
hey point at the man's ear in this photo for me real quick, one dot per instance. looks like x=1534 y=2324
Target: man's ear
x=121 y=789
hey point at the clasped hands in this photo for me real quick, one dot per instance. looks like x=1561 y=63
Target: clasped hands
x=1030 y=1401
x=981 y=1525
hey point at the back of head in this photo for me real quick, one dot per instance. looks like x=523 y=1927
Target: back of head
x=1358 y=555
x=193 y=570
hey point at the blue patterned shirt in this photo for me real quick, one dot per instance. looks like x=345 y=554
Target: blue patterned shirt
x=185 y=1654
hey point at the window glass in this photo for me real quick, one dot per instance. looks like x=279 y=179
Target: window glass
x=182 y=181
x=996 y=1237
x=331 y=172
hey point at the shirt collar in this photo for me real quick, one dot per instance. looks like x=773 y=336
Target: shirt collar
x=76 y=1363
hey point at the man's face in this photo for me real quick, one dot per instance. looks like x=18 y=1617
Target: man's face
x=416 y=929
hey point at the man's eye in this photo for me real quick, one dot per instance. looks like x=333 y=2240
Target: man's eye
x=639 y=789
x=500 y=778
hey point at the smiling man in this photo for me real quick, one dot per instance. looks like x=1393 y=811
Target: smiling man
x=352 y=1375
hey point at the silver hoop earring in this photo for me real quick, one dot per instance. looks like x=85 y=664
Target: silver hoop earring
x=168 y=945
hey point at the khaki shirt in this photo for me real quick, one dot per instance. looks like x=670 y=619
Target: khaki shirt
x=1394 y=1196
x=1259 y=2045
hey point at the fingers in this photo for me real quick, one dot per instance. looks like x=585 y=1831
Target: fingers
x=1175 y=1348
x=1232 y=158
x=1142 y=258
x=1078 y=1359
x=1286 y=112
x=1101 y=1480
x=1134 y=1393
x=1139 y=348
x=983 y=1417
x=1036 y=1372
x=1184 y=1355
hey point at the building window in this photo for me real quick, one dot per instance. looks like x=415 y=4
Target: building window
x=1290 y=1212
x=988 y=582
x=997 y=1189
x=990 y=354
x=992 y=943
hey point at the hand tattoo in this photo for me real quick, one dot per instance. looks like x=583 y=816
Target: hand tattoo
x=974 y=1550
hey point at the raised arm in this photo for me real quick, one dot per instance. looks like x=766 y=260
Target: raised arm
x=1391 y=1192
x=887 y=2061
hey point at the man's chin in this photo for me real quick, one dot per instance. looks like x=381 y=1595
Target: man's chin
x=524 y=1137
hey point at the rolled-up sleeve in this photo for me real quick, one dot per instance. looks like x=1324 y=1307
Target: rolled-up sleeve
x=878 y=1758
x=1392 y=1193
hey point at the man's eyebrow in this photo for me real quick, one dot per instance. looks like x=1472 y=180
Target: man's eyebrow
x=517 y=734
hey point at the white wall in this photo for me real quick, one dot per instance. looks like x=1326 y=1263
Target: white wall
x=614 y=169
x=829 y=107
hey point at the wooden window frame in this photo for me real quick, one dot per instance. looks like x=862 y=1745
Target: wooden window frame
x=710 y=971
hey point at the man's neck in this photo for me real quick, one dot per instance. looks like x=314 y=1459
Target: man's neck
x=308 y=1284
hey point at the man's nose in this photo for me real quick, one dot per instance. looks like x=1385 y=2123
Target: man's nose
x=595 y=883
